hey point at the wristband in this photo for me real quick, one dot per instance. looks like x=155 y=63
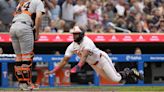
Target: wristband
x=56 y=68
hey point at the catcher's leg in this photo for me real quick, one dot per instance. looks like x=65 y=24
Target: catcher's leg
x=27 y=45
x=23 y=74
x=18 y=64
x=23 y=70
x=28 y=58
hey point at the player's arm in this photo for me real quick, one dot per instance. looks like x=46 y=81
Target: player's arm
x=84 y=56
x=61 y=64
x=82 y=61
x=37 y=24
x=40 y=10
x=64 y=61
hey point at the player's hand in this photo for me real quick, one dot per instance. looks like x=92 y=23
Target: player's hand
x=75 y=69
x=47 y=73
x=52 y=71
x=36 y=37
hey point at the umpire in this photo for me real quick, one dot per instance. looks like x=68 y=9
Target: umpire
x=23 y=37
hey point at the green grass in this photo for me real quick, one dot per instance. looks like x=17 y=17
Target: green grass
x=100 y=88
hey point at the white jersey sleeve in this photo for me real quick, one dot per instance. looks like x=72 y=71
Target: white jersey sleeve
x=88 y=44
x=40 y=6
x=69 y=50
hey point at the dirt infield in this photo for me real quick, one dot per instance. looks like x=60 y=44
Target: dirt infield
x=93 y=89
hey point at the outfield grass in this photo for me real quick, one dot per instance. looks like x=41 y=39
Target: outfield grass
x=99 y=89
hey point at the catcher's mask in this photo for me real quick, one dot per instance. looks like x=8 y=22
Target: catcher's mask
x=78 y=34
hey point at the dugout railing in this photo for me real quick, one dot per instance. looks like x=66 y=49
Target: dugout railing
x=51 y=59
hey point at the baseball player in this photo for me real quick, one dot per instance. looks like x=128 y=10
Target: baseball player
x=22 y=35
x=96 y=58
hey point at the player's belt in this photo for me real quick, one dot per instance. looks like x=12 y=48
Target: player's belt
x=24 y=22
x=98 y=61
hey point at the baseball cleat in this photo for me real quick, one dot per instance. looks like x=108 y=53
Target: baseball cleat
x=23 y=87
x=137 y=74
x=33 y=86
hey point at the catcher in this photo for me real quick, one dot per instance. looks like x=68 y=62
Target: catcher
x=22 y=35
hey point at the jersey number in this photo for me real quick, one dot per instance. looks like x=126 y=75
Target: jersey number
x=23 y=7
x=26 y=6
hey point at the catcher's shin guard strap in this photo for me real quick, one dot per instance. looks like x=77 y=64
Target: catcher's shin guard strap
x=27 y=56
x=23 y=71
x=18 y=57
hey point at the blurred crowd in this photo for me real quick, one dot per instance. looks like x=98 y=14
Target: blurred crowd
x=98 y=16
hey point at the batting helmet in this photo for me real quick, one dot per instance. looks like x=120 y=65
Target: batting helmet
x=79 y=32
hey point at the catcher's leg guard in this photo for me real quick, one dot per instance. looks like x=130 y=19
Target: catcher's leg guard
x=18 y=58
x=28 y=57
x=23 y=71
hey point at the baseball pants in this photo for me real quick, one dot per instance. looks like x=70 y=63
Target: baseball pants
x=106 y=69
x=22 y=38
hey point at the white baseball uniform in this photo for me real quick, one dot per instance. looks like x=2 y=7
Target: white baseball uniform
x=96 y=57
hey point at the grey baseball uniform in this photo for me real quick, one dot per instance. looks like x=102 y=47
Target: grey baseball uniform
x=22 y=36
x=21 y=30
